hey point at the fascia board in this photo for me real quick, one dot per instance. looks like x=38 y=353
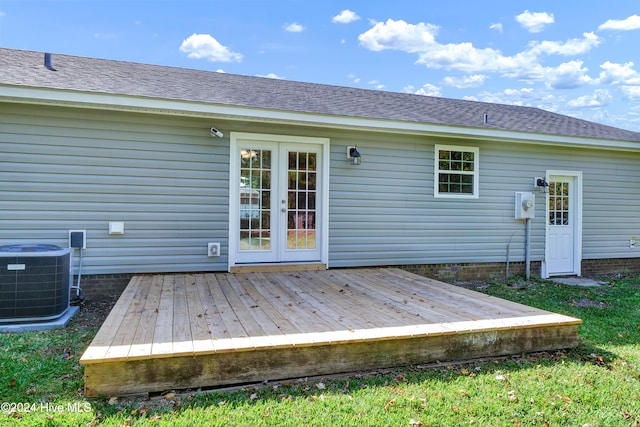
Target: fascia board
x=102 y=101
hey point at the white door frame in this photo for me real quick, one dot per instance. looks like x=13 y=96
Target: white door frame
x=577 y=223
x=322 y=238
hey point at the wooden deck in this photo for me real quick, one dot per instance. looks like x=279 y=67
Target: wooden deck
x=202 y=330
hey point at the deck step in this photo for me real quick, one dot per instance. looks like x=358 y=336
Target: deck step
x=277 y=268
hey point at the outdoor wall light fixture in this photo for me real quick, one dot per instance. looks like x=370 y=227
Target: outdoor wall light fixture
x=215 y=132
x=541 y=184
x=354 y=155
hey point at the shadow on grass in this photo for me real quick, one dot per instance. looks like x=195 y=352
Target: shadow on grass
x=448 y=382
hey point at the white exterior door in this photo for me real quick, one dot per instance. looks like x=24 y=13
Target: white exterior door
x=277 y=200
x=563 y=240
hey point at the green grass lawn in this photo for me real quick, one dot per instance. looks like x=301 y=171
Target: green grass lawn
x=597 y=384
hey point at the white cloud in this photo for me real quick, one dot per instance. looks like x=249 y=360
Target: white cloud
x=534 y=22
x=600 y=98
x=522 y=96
x=526 y=97
x=429 y=90
x=205 y=46
x=376 y=84
x=524 y=92
x=399 y=35
x=475 y=80
x=345 y=17
x=497 y=27
x=465 y=57
x=630 y=23
x=420 y=38
x=271 y=76
x=354 y=78
x=631 y=92
x=497 y=98
x=601 y=115
x=294 y=27
x=616 y=74
x=469 y=59
x=567 y=75
x=569 y=48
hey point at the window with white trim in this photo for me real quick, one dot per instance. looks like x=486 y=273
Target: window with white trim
x=456 y=171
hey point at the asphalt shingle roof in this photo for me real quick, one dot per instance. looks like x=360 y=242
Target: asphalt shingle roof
x=26 y=68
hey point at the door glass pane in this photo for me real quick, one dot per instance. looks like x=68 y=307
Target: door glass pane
x=266 y=159
x=312 y=200
x=559 y=203
x=311 y=180
x=255 y=199
x=301 y=214
x=293 y=179
x=302 y=161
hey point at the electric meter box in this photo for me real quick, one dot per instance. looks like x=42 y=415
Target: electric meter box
x=525 y=205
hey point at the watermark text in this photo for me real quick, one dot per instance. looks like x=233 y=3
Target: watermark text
x=58 y=408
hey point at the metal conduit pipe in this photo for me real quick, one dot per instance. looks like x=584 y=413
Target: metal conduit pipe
x=527 y=248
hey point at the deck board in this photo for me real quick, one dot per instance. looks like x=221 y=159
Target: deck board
x=129 y=324
x=273 y=321
x=163 y=335
x=254 y=304
x=101 y=343
x=304 y=308
x=257 y=325
x=143 y=338
x=400 y=301
x=200 y=333
x=241 y=312
x=352 y=305
x=230 y=322
x=333 y=313
x=211 y=312
x=182 y=338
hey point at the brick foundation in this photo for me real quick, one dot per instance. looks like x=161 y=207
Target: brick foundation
x=611 y=266
x=484 y=271
x=97 y=286
x=110 y=285
x=472 y=271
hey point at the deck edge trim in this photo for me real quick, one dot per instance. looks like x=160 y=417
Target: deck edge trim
x=360 y=336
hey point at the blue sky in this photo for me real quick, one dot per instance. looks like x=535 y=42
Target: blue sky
x=573 y=57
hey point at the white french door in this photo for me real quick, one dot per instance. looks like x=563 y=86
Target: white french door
x=277 y=200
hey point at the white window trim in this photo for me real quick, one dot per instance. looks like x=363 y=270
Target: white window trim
x=476 y=172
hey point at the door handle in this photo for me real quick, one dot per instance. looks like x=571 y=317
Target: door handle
x=283 y=210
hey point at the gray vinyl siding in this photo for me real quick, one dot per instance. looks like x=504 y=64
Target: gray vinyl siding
x=167 y=180
x=63 y=169
x=383 y=212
